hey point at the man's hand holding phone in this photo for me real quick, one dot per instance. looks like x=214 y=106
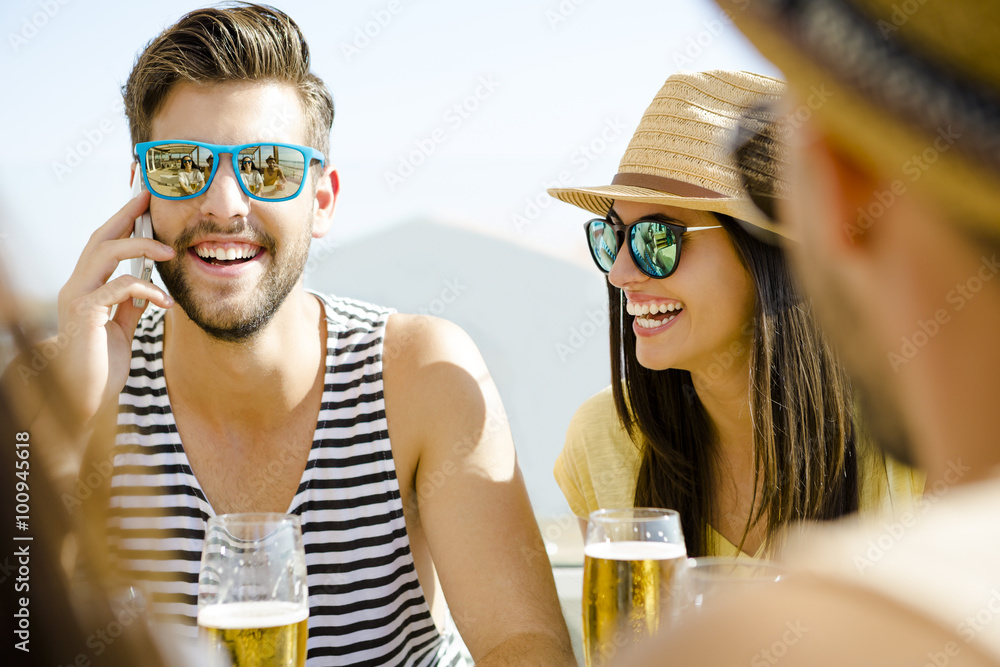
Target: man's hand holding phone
x=102 y=315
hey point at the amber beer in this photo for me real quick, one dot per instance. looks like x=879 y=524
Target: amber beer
x=627 y=588
x=256 y=634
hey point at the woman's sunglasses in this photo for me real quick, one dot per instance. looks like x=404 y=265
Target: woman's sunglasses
x=157 y=160
x=655 y=246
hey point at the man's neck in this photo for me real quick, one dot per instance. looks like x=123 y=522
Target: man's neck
x=952 y=389
x=254 y=383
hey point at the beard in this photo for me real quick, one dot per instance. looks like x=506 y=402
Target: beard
x=229 y=320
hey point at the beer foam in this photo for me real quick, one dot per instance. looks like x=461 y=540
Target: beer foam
x=635 y=551
x=240 y=615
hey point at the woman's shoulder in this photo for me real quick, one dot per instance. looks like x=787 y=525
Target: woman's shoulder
x=885 y=485
x=599 y=463
x=596 y=428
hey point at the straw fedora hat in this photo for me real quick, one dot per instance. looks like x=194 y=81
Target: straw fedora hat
x=909 y=89
x=681 y=153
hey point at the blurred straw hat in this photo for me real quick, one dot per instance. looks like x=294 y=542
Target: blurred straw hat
x=908 y=88
x=681 y=153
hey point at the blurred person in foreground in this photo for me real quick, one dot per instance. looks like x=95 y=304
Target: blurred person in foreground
x=895 y=170
x=243 y=392
x=63 y=602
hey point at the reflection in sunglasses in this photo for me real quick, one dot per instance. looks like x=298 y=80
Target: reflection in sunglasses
x=172 y=169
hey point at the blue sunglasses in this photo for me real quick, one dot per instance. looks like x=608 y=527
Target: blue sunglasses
x=163 y=166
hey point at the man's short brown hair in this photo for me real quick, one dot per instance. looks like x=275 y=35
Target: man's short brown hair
x=231 y=42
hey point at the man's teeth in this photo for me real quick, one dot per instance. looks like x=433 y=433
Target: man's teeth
x=227 y=253
x=640 y=310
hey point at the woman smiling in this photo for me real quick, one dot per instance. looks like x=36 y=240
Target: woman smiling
x=726 y=402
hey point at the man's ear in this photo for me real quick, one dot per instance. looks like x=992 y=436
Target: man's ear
x=844 y=201
x=327 y=191
x=132 y=173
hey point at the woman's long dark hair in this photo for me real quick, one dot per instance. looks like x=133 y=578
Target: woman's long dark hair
x=801 y=405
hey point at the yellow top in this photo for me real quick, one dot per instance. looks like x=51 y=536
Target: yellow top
x=599 y=464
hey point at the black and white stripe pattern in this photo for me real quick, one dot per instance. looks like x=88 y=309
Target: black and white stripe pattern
x=366 y=605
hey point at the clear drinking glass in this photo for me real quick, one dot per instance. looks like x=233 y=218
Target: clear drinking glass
x=253 y=602
x=702 y=580
x=631 y=557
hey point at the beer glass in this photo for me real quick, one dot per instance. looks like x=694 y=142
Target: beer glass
x=630 y=560
x=703 y=580
x=253 y=603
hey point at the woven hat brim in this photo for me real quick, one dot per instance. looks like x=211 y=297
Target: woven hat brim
x=598 y=200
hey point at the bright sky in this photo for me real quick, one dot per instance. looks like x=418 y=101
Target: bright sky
x=561 y=85
x=547 y=88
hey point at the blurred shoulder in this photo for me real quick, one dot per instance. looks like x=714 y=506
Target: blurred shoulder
x=804 y=621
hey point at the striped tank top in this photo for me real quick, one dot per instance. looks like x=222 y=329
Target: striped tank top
x=366 y=606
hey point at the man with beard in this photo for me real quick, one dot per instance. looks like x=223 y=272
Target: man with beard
x=894 y=173
x=243 y=392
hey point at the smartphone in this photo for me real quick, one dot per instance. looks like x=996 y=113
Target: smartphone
x=142 y=267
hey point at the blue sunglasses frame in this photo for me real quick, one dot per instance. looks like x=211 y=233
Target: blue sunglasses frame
x=308 y=154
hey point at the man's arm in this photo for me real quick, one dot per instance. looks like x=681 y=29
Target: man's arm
x=470 y=497
x=809 y=622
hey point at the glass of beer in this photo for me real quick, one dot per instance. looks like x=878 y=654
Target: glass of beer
x=253 y=602
x=703 y=580
x=631 y=557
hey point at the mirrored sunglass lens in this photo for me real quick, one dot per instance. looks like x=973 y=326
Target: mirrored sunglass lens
x=176 y=170
x=655 y=248
x=603 y=244
x=281 y=170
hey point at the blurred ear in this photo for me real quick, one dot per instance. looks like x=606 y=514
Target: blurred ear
x=843 y=206
x=327 y=190
x=132 y=171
